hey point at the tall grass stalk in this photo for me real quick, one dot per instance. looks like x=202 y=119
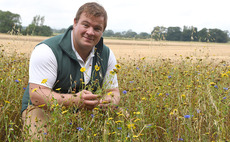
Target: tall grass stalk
x=161 y=100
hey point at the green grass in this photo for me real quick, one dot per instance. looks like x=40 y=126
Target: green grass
x=167 y=100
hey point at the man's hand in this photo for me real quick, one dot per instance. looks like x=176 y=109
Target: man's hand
x=87 y=99
x=111 y=99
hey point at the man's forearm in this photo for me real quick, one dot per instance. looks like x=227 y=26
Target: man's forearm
x=41 y=95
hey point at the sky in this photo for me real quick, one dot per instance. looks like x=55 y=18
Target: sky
x=136 y=15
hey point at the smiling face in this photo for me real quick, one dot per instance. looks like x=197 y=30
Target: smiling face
x=87 y=32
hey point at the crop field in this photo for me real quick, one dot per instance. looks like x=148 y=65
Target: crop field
x=170 y=91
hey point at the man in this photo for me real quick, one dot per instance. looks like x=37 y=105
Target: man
x=70 y=68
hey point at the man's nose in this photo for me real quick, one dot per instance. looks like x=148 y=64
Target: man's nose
x=90 y=31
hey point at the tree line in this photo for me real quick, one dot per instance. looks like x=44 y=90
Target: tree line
x=175 y=34
x=11 y=22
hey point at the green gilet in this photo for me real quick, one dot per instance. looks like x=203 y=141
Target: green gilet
x=69 y=77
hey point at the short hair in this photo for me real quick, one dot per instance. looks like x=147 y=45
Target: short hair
x=92 y=9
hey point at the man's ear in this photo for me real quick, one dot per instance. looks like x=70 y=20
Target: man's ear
x=75 y=21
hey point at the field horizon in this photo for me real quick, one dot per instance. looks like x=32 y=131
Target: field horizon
x=149 y=49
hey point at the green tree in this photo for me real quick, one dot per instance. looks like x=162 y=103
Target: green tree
x=217 y=35
x=143 y=35
x=189 y=34
x=118 y=34
x=130 y=34
x=108 y=33
x=203 y=35
x=9 y=21
x=173 y=34
x=159 y=33
x=37 y=28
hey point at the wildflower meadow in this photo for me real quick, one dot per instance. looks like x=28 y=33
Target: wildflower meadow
x=182 y=99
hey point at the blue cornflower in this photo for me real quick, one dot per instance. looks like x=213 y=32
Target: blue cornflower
x=187 y=116
x=167 y=94
x=92 y=115
x=138 y=68
x=225 y=88
x=16 y=80
x=45 y=133
x=131 y=81
x=224 y=97
x=170 y=76
x=24 y=88
x=70 y=123
x=180 y=139
x=119 y=128
x=124 y=92
x=216 y=86
x=79 y=128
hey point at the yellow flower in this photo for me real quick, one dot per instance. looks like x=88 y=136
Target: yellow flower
x=58 y=89
x=52 y=106
x=175 y=111
x=34 y=90
x=136 y=120
x=44 y=81
x=112 y=133
x=171 y=113
x=183 y=96
x=131 y=125
x=109 y=93
x=42 y=105
x=83 y=69
x=7 y=102
x=110 y=118
x=118 y=66
x=224 y=75
x=120 y=114
x=94 y=135
x=137 y=112
x=142 y=58
x=112 y=72
x=135 y=136
x=115 y=70
x=63 y=112
x=36 y=119
x=212 y=83
x=143 y=98
x=119 y=121
x=97 y=68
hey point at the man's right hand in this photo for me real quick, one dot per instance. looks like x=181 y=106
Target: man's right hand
x=87 y=99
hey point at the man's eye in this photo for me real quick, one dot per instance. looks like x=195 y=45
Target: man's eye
x=97 y=29
x=85 y=25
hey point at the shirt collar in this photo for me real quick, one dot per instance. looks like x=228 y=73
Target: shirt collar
x=91 y=55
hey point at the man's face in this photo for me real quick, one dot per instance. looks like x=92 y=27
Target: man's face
x=87 y=32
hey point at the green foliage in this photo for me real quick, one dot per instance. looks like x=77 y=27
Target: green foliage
x=159 y=33
x=173 y=34
x=217 y=35
x=161 y=100
x=37 y=28
x=204 y=35
x=108 y=33
x=189 y=34
x=9 y=20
